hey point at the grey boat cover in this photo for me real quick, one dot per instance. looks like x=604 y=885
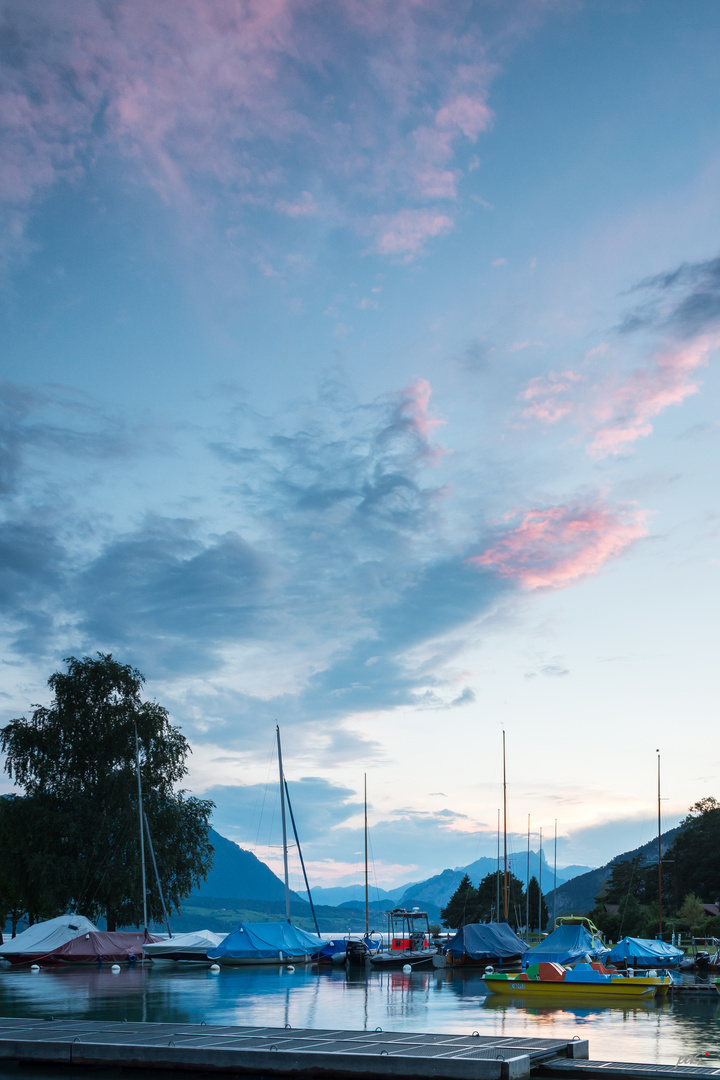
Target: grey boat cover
x=645 y=952
x=486 y=941
x=44 y=937
x=567 y=944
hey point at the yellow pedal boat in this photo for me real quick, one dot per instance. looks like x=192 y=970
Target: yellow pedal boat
x=583 y=981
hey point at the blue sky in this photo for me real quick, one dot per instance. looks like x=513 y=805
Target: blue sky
x=360 y=374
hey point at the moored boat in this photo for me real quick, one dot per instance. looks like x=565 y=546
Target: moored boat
x=264 y=943
x=551 y=980
x=645 y=953
x=36 y=943
x=191 y=948
x=481 y=944
x=409 y=941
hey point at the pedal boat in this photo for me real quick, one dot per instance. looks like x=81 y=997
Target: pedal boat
x=547 y=980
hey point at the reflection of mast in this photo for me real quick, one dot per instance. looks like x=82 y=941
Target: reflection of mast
x=367 y=904
x=505 y=880
x=659 y=856
x=284 y=827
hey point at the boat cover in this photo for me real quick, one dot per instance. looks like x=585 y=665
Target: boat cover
x=486 y=941
x=43 y=937
x=264 y=940
x=192 y=943
x=567 y=944
x=645 y=952
x=115 y=948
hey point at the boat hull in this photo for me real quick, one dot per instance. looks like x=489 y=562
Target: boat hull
x=395 y=961
x=254 y=961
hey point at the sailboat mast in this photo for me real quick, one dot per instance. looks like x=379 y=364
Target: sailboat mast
x=284 y=826
x=367 y=901
x=659 y=855
x=497 y=876
x=527 y=889
x=555 y=875
x=540 y=897
x=142 y=829
x=505 y=879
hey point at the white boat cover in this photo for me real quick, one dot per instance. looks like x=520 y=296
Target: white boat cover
x=194 y=942
x=43 y=937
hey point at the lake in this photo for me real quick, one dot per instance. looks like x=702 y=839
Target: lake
x=434 y=1001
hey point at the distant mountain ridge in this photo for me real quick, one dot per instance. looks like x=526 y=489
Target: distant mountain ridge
x=578 y=896
x=240 y=874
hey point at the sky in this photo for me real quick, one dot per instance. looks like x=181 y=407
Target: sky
x=360 y=375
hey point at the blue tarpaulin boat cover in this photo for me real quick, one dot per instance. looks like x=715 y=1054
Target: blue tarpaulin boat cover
x=567 y=944
x=486 y=941
x=261 y=940
x=645 y=952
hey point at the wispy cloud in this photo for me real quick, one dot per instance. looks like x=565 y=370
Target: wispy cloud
x=614 y=407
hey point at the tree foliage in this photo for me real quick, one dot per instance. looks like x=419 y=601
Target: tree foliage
x=538 y=916
x=461 y=907
x=695 y=851
x=75 y=760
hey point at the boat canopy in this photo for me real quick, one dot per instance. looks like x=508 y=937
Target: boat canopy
x=486 y=940
x=566 y=945
x=118 y=947
x=265 y=940
x=645 y=952
x=44 y=937
x=192 y=943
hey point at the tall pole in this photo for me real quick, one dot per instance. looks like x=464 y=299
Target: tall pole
x=284 y=826
x=367 y=899
x=540 y=919
x=157 y=876
x=527 y=888
x=302 y=861
x=555 y=876
x=497 y=882
x=142 y=828
x=505 y=881
x=659 y=854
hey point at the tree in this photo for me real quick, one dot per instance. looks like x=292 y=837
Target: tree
x=535 y=900
x=487 y=898
x=461 y=908
x=691 y=914
x=694 y=850
x=75 y=760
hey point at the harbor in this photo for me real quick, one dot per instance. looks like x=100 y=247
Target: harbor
x=655 y=1033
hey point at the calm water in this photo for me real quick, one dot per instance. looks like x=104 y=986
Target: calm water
x=433 y=1001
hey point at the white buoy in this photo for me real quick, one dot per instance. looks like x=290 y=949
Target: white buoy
x=407 y=968
x=214 y=968
x=489 y=970
x=115 y=969
x=290 y=968
x=35 y=967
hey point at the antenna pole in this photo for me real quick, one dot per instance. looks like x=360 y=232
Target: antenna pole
x=284 y=826
x=367 y=901
x=505 y=880
x=142 y=830
x=659 y=854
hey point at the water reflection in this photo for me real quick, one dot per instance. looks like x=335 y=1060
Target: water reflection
x=438 y=1000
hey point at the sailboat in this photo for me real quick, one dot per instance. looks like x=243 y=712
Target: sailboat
x=271 y=942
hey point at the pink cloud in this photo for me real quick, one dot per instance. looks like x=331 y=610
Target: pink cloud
x=612 y=411
x=559 y=545
x=216 y=105
x=405 y=232
x=411 y=415
x=627 y=408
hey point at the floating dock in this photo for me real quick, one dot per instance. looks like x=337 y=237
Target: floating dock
x=280 y=1052
x=307 y=1054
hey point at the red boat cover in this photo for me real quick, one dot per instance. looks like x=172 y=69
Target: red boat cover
x=548 y=972
x=114 y=948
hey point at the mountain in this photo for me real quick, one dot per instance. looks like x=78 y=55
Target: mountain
x=237 y=873
x=577 y=897
x=437 y=890
x=336 y=895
